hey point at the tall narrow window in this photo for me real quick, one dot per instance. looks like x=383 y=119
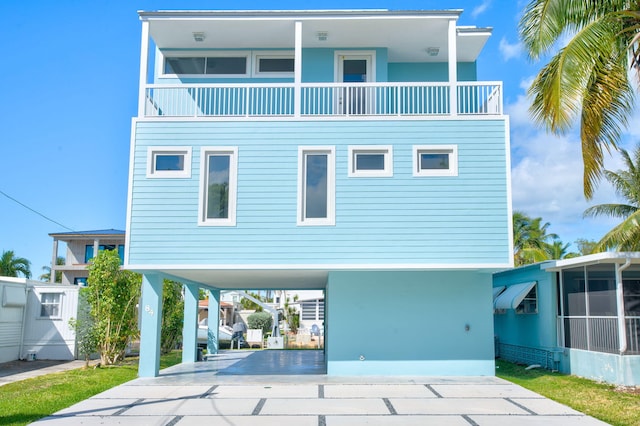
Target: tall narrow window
x=218 y=200
x=316 y=193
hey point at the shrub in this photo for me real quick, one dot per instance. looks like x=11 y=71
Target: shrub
x=262 y=320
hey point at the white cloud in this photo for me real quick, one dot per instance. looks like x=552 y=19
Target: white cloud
x=509 y=50
x=481 y=8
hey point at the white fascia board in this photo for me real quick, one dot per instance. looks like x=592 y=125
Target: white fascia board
x=606 y=257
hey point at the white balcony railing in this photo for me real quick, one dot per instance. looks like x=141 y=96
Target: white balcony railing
x=322 y=100
x=600 y=334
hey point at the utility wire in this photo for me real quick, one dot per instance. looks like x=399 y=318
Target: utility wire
x=35 y=211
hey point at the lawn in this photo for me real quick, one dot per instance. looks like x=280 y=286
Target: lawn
x=616 y=406
x=29 y=400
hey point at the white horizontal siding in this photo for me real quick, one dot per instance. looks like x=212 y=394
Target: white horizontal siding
x=403 y=219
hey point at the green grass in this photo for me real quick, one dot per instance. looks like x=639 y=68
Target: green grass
x=602 y=401
x=28 y=400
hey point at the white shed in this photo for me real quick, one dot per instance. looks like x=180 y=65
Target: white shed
x=13 y=301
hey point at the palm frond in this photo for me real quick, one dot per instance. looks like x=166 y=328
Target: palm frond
x=611 y=210
x=624 y=237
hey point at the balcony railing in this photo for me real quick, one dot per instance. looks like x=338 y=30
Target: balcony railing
x=322 y=100
x=600 y=334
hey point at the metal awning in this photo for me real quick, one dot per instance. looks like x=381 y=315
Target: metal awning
x=513 y=295
x=497 y=291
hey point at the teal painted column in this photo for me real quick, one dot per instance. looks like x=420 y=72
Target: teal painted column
x=150 y=326
x=190 y=327
x=213 y=338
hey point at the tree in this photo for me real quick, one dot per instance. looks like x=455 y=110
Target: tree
x=530 y=239
x=172 y=315
x=83 y=327
x=626 y=235
x=12 y=266
x=261 y=320
x=112 y=295
x=585 y=246
x=588 y=78
x=46 y=276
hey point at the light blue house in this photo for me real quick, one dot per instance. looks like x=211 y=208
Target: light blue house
x=579 y=316
x=349 y=151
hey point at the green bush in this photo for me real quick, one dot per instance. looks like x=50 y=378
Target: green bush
x=260 y=320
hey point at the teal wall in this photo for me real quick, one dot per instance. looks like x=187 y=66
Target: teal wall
x=318 y=66
x=602 y=367
x=409 y=323
x=531 y=330
x=461 y=220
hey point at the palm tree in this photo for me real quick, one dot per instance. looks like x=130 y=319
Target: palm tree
x=588 y=78
x=11 y=266
x=530 y=239
x=626 y=235
x=46 y=276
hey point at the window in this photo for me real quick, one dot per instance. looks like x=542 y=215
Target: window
x=370 y=161
x=529 y=304
x=435 y=160
x=88 y=251
x=218 y=186
x=81 y=281
x=169 y=162
x=50 y=305
x=316 y=186
x=232 y=65
x=522 y=298
x=273 y=64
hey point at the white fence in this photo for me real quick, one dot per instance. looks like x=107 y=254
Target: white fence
x=322 y=100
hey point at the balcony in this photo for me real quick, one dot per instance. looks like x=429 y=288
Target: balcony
x=323 y=100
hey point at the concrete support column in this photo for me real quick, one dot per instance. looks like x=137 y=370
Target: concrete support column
x=190 y=327
x=213 y=338
x=150 y=325
x=54 y=263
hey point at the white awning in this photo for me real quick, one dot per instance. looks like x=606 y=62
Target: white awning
x=497 y=291
x=513 y=295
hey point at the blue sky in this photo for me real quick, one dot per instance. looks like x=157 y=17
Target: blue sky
x=69 y=82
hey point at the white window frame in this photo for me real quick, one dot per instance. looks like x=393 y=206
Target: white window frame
x=330 y=220
x=270 y=54
x=153 y=151
x=232 y=151
x=386 y=150
x=451 y=150
x=42 y=304
x=204 y=54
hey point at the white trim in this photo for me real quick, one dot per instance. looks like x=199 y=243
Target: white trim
x=132 y=161
x=144 y=69
x=330 y=220
x=451 y=150
x=386 y=150
x=452 y=60
x=152 y=151
x=507 y=138
x=257 y=55
x=320 y=267
x=204 y=54
x=205 y=151
x=336 y=117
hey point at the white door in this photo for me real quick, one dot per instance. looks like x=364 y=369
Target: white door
x=354 y=69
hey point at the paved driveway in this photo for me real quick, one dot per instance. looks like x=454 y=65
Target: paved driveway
x=290 y=388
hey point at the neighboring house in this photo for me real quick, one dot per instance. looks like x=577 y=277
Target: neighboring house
x=353 y=152
x=83 y=246
x=34 y=320
x=579 y=316
x=312 y=313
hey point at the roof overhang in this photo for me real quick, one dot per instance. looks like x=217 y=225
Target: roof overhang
x=592 y=259
x=406 y=34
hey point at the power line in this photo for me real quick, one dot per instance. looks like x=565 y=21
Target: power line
x=35 y=211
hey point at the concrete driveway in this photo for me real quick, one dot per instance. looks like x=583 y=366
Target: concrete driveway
x=290 y=388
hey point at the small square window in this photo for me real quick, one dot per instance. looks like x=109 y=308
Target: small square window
x=370 y=161
x=50 y=305
x=169 y=162
x=435 y=160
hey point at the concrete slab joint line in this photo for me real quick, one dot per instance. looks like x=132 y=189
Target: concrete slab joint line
x=321 y=391
x=123 y=409
x=174 y=421
x=470 y=420
x=209 y=392
x=256 y=411
x=433 y=390
x=389 y=406
x=322 y=421
x=522 y=406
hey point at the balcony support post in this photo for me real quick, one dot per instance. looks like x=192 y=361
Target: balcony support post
x=453 y=67
x=144 y=69
x=297 y=80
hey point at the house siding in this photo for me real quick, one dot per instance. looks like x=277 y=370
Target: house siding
x=401 y=219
